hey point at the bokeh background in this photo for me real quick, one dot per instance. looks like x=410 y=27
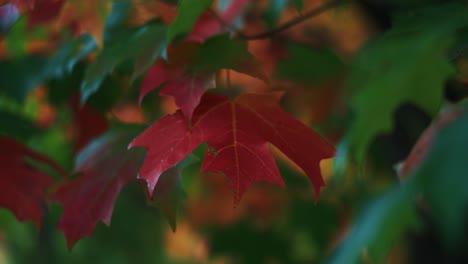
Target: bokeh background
x=312 y=62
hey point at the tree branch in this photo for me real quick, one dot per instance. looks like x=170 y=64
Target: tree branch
x=310 y=14
x=270 y=33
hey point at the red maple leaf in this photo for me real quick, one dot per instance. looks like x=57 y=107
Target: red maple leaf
x=106 y=167
x=237 y=134
x=168 y=191
x=183 y=78
x=185 y=86
x=88 y=123
x=210 y=24
x=22 y=186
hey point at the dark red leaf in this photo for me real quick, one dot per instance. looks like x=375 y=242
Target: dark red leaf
x=106 y=167
x=44 y=11
x=22 y=186
x=89 y=123
x=210 y=24
x=237 y=134
x=186 y=87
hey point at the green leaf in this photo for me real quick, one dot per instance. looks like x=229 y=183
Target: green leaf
x=189 y=11
x=233 y=53
x=65 y=59
x=26 y=73
x=234 y=56
x=168 y=191
x=308 y=64
x=118 y=15
x=382 y=223
x=407 y=64
x=15 y=125
x=274 y=11
x=443 y=177
x=143 y=44
x=150 y=50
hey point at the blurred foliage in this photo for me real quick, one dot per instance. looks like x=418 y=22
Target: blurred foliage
x=372 y=101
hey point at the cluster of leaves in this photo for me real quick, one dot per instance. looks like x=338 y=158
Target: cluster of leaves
x=90 y=56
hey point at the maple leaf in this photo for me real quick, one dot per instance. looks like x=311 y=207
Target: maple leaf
x=89 y=123
x=187 y=84
x=22 y=186
x=324 y=62
x=106 y=167
x=379 y=226
x=437 y=164
x=187 y=88
x=187 y=16
x=425 y=141
x=210 y=24
x=237 y=134
x=399 y=67
x=142 y=44
x=168 y=191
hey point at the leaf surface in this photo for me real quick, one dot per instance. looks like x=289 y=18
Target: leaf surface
x=106 y=167
x=29 y=72
x=379 y=226
x=188 y=14
x=235 y=56
x=88 y=123
x=188 y=83
x=22 y=186
x=407 y=64
x=168 y=191
x=309 y=65
x=186 y=87
x=438 y=163
x=210 y=24
x=237 y=134
x=143 y=44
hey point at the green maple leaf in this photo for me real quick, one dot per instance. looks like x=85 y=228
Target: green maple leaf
x=408 y=64
x=442 y=173
x=379 y=226
x=143 y=45
x=189 y=11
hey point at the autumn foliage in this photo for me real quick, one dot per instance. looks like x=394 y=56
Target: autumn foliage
x=319 y=130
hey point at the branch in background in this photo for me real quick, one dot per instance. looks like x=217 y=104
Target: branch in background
x=270 y=33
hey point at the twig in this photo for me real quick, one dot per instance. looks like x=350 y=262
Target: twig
x=224 y=24
x=270 y=33
x=312 y=13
